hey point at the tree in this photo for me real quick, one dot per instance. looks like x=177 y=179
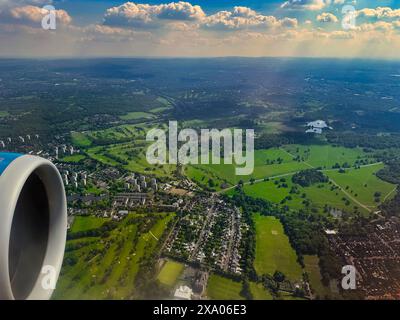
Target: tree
x=279 y=276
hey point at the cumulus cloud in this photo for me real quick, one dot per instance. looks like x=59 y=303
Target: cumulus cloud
x=183 y=15
x=245 y=18
x=20 y=3
x=305 y=4
x=312 y=5
x=142 y=15
x=32 y=15
x=379 y=13
x=327 y=17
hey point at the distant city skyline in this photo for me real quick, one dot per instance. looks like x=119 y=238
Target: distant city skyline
x=203 y=28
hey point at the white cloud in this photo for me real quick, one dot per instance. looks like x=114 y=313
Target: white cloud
x=245 y=18
x=379 y=13
x=312 y=5
x=31 y=15
x=305 y=4
x=19 y=3
x=142 y=15
x=327 y=17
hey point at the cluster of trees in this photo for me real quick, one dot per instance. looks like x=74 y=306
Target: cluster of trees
x=392 y=207
x=352 y=140
x=308 y=177
x=391 y=172
x=266 y=140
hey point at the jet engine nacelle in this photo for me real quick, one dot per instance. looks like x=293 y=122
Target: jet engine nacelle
x=33 y=226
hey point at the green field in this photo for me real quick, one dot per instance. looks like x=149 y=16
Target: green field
x=363 y=183
x=314 y=276
x=80 y=139
x=356 y=189
x=259 y=292
x=106 y=267
x=73 y=159
x=319 y=195
x=273 y=250
x=220 y=288
x=170 y=272
x=82 y=223
x=267 y=163
x=137 y=115
x=326 y=156
x=278 y=161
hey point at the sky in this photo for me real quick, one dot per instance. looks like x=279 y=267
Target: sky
x=201 y=28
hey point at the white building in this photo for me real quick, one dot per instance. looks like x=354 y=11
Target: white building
x=183 y=293
x=317 y=126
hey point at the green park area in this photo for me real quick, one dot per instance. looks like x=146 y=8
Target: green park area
x=273 y=250
x=103 y=260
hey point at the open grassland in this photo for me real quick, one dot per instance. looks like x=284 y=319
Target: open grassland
x=82 y=223
x=106 y=267
x=318 y=196
x=273 y=250
x=276 y=162
x=326 y=156
x=170 y=273
x=357 y=189
x=220 y=288
x=314 y=276
x=267 y=163
x=363 y=184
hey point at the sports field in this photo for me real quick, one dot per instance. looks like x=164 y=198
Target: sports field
x=273 y=250
x=220 y=288
x=82 y=223
x=170 y=272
